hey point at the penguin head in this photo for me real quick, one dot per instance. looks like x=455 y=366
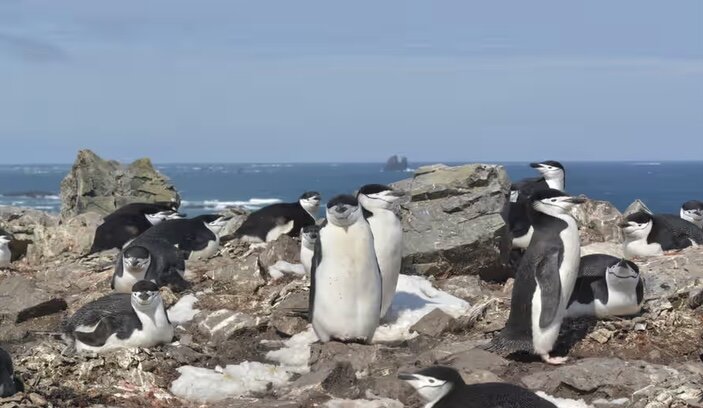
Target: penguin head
x=136 y=259
x=550 y=169
x=378 y=196
x=310 y=200
x=157 y=217
x=310 y=234
x=622 y=273
x=214 y=222
x=692 y=211
x=343 y=211
x=145 y=294
x=433 y=383
x=637 y=225
x=554 y=202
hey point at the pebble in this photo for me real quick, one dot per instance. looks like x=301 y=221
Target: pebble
x=37 y=399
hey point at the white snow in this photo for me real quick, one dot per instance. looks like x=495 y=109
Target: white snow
x=414 y=298
x=564 y=402
x=363 y=403
x=295 y=354
x=205 y=385
x=183 y=311
x=281 y=268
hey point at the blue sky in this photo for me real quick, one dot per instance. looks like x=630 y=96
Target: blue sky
x=234 y=81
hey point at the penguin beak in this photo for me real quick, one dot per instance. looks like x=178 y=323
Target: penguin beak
x=624 y=224
x=576 y=200
x=622 y=263
x=406 y=377
x=535 y=165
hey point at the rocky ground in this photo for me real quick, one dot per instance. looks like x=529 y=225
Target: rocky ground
x=241 y=340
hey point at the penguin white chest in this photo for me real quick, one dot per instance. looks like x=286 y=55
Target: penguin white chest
x=5 y=255
x=640 y=247
x=347 y=285
x=207 y=252
x=568 y=270
x=388 y=244
x=306 y=257
x=124 y=283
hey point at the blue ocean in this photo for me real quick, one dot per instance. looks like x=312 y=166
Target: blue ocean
x=663 y=186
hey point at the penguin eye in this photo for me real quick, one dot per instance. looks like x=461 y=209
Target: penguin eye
x=554 y=200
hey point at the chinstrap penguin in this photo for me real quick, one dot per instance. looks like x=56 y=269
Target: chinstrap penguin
x=692 y=211
x=308 y=238
x=152 y=259
x=128 y=222
x=5 y=251
x=345 y=281
x=545 y=278
x=443 y=387
x=120 y=320
x=652 y=235
x=553 y=176
x=379 y=201
x=10 y=384
x=607 y=286
x=197 y=237
x=270 y=222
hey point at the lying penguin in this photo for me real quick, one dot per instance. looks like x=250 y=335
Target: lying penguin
x=128 y=222
x=9 y=383
x=652 y=235
x=197 y=237
x=606 y=286
x=120 y=320
x=692 y=211
x=443 y=387
x=152 y=259
x=270 y=222
x=308 y=238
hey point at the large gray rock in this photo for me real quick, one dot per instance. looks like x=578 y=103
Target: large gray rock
x=598 y=222
x=452 y=224
x=636 y=206
x=100 y=186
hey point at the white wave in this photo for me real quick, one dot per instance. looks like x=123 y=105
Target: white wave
x=43 y=207
x=647 y=164
x=252 y=203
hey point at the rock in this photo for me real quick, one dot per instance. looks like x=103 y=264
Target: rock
x=598 y=222
x=433 y=324
x=329 y=354
x=467 y=287
x=396 y=163
x=100 y=186
x=16 y=294
x=608 y=248
x=453 y=224
x=74 y=235
x=222 y=324
x=601 y=335
x=37 y=400
x=475 y=359
x=341 y=381
x=636 y=206
x=363 y=403
x=284 y=251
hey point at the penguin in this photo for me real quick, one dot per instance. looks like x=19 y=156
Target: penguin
x=692 y=211
x=198 y=237
x=152 y=259
x=378 y=201
x=308 y=238
x=443 y=387
x=10 y=384
x=651 y=235
x=120 y=320
x=128 y=222
x=345 y=281
x=270 y=222
x=553 y=176
x=5 y=252
x=544 y=279
x=606 y=286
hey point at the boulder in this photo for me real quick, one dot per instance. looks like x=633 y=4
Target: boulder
x=100 y=186
x=452 y=224
x=598 y=222
x=636 y=206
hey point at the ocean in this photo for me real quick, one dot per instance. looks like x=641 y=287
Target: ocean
x=663 y=186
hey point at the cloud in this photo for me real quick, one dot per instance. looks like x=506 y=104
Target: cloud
x=31 y=50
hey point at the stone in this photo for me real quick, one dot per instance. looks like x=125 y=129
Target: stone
x=601 y=335
x=220 y=325
x=453 y=223
x=74 y=235
x=636 y=206
x=598 y=222
x=37 y=399
x=16 y=294
x=341 y=382
x=328 y=354
x=101 y=186
x=433 y=324
x=285 y=248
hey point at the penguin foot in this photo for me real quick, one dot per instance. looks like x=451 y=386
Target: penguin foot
x=554 y=360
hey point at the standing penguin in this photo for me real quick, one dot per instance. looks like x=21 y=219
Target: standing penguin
x=544 y=279
x=606 y=286
x=9 y=383
x=270 y=222
x=118 y=320
x=345 y=282
x=692 y=211
x=651 y=235
x=379 y=202
x=128 y=222
x=443 y=387
x=152 y=259
x=197 y=237
x=5 y=252
x=308 y=238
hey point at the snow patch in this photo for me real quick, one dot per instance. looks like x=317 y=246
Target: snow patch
x=281 y=268
x=564 y=402
x=183 y=311
x=205 y=385
x=363 y=403
x=414 y=298
x=295 y=353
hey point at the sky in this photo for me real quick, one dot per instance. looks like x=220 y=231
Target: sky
x=328 y=81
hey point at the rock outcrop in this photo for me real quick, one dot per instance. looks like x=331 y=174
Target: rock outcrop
x=452 y=224
x=598 y=222
x=100 y=186
x=396 y=163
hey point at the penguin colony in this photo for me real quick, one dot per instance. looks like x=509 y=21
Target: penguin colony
x=353 y=260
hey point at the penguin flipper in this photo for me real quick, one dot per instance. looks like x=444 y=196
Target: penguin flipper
x=547 y=275
x=316 y=259
x=98 y=336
